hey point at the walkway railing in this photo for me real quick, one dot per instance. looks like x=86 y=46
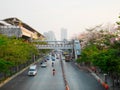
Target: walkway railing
x=55 y=46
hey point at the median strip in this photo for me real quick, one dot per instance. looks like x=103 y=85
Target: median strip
x=64 y=77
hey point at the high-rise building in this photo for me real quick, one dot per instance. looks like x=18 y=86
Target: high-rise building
x=50 y=36
x=63 y=34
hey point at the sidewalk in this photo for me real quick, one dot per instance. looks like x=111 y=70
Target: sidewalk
x=100 y=78
x=109 y=82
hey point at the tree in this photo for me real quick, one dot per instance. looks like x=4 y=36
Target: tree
x=87 y=54
x=100 y=52
x=118 y=22
x=15 y=51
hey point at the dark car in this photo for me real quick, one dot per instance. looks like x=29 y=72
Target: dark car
x=53 y=58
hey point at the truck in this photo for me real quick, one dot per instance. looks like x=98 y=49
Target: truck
x=67 y=58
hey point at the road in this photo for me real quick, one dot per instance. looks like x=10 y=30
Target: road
x=79 y=79
x=44 y=80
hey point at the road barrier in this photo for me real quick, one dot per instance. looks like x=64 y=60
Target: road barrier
x=64 y=77
x=67 y=87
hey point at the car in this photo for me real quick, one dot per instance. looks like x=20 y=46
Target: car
x=53 y=58
x=41 y=62
x=57 y=57
x=44 y=65
x=47 y=58
x=32 y=70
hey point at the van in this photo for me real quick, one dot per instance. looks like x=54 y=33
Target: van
x=32 y=70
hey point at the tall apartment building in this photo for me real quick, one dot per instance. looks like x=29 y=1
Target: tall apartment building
x=63 y=34
x=50 y=36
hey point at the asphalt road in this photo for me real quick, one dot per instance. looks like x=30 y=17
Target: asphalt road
x=80 y=80
x=44 y=80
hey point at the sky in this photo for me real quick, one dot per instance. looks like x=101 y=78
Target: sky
x=52 y=15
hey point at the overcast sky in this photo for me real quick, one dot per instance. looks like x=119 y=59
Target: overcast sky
x=74 y=15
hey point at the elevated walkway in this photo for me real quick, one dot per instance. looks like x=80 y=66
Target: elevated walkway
x=62 y=45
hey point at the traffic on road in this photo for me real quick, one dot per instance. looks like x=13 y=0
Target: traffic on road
x=49 y=77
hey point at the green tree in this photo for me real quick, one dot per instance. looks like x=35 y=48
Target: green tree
x=87 y=54
x=118 y=22
x=101 y=52
x=15 y=51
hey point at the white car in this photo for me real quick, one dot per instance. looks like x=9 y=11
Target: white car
x=32 y=70
x=44 y=65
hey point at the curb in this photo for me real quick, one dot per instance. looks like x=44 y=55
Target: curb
x=10 y=78
x=105 y=85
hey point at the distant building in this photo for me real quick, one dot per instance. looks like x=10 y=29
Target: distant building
x=63 y=34
x=50 y=36
x=15 y=27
